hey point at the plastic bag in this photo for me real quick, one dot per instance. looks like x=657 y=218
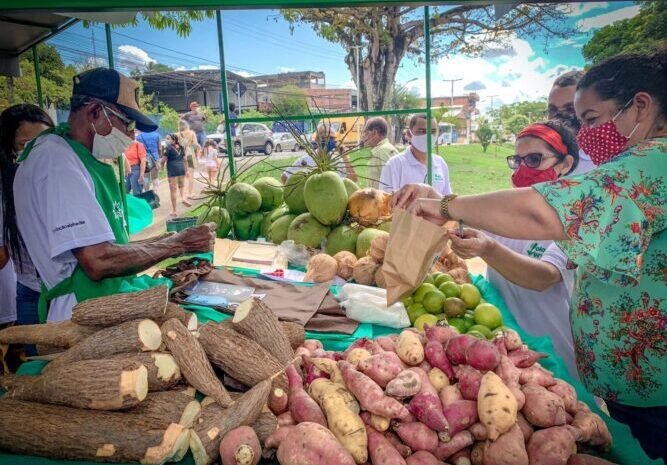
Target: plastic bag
x=369 y=305
x=297 y=254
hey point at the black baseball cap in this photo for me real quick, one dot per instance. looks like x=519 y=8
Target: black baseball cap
x=113 y=87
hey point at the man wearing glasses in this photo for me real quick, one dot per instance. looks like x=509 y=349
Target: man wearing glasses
x=69 y=202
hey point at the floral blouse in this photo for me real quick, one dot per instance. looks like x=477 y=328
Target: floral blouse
x=616 y=216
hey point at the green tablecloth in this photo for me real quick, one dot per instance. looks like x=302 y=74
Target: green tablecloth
x=139 y=214
x=625 y=451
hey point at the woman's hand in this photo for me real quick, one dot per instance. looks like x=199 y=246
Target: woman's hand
x=473 y=244
x=429 y=209
x=404 y=197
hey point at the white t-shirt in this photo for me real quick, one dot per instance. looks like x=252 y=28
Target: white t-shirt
x=25 y=273
x=584 y=166
x=545 y=313
x=404 y=169
x=7 y=293
x=57 y=212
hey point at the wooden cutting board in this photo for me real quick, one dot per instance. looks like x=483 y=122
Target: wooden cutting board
x=261 y=256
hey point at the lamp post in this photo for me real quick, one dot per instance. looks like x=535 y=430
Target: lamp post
x=356 y=59
x=451 y=105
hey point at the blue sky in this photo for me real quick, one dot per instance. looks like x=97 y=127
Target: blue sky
x=260 y=42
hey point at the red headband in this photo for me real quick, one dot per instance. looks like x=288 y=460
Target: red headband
x=547 y=134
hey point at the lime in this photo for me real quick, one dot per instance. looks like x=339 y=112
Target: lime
x=441 y=316
x=488 y=315
x=407 y=301
x=442 y=279
x=476 y=334
x=436 y=275
x=426 y=319
x=470 y=295
x=481 y=329
x=433 y=301
x=458 y=324
x=421 y=291
x=454 y=307
x=428 y=279
x=415 y=311
x=450 y=289
x=469 y=321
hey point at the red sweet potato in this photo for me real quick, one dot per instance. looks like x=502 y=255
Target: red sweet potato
x=583 y=459
x=311 y=372
x=508 y=449
x=479 y=432
x=526 y=428
x=387 y=342
x=425 y=366
x=477 y=453
x=440 y=334
x=449 y=394
x=538 y=375
x=417 y=436
x=428 y=409
x=482 y=355
x=593 y=429
x=551 y=446
x=524 y=357
x=543 y=408
x=312 y=444
x=240 y=447
x=285 y=419
x=406 y=384
x=462 y=457
x=426 y=385
x=278 y=401
x=460 y=415
x=382 y=367
x=456 y=348
x=302 y=407
x=400 y=446
x=469 y=381
x=458 y=442
x=312 y=344
x=364 y=343
x=512 y=339
x=436 y=356
x=381 y=451
x=567 y=393
x=510 y=375
x=422 y=457
x=275 y=438
x=499 y=344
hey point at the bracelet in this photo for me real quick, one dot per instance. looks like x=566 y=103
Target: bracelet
x=444 y=206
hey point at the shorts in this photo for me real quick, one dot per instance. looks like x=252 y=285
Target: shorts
x=201 y=138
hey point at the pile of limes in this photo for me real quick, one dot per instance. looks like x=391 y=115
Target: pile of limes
x=440 y=298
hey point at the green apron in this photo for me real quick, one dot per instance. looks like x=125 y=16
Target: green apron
x=109 y=195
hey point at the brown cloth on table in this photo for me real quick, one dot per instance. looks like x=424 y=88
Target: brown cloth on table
x=314 y=307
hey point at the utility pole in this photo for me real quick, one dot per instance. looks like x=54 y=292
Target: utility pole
x=451 y=101
x=356 y=59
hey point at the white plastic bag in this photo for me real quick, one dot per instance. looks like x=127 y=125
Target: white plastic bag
x=296 y=254
x=369 y=305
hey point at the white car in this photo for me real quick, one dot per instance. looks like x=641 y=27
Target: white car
x=254 y=137
x=285 y=141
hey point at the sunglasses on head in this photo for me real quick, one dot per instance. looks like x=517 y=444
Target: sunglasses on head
x=532 y=160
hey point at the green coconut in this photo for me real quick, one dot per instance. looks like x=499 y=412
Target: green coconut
x=343 y=237
x=386 y=226
x=351 y=187
x=365 y=238
x=278 y=230
x=242 y=199
x=272 y=216
x=293 y=193
x=326 y=197
x=306 y=230
x=271 y=191
x=247 y=227
x=219 y=216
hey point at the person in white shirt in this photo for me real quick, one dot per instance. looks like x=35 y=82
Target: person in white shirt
x=410 y=167
x=560 y=105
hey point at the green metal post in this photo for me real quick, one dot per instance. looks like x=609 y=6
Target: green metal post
x=38 y=77
x=107 y=29
x=225 y=105
x=427 y=42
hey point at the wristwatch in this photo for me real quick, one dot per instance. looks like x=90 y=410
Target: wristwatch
x=444 y=206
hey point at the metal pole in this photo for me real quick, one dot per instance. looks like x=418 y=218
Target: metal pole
x=107 y=29
x=427 y=41
x=356 y=52
x=38 y=77
x=225 y=97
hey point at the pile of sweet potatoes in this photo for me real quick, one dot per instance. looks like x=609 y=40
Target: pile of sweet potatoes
x=427 y=399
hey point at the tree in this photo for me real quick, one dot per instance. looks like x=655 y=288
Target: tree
x=179 y=21
x=390 y=33
x=532 y=111
x=516 y=123
x=289 y=100
x=152 y=67
x=484 y=133
x=401 y=99
x=644 y=33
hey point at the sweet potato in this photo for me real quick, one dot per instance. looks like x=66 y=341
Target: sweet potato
x=369 y=394
x=330 y=367
x=524 y=357
x=499 y=344
x=425 y=366
x=240 y=447
x=275 y=438
x=567 y=393
x=400 y=446
x=551 y=446
x=583 y=407
x=278 y=401
x=312 y=372
x=409 y=348
x=512 y=339
x=450 y=394
x=426 y=385
x=508 y=449
x=346 y=425
x=312 y=444
x=584 y=459
x=593 y=429
x=382 y=368
x=436 y=356
x=438 y=378
x=381 y=451
x=469 y=381
x=302 y=407
x=456 y=348
x=406 y=384
x=482 y=355
x=460 y=415
x=479 y=432
x=458 y=442
x=322 y=387
x=462 y=457
x=538 y=375
x=526 y=428
x=357 y=355
x=369 y=345
x=422 y=457
x=440 y=334
x=543 y=408
x=496 y=406
x=387 y=342
x=477 y=453
x=428 y=409
x=510 y=376
x=285 y=419
x=417 y=436
x=312 y=344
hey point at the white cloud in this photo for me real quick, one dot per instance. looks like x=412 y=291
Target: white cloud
x=596 y=22
x=573 y=42
x=207 y=67
x=97 y=62
x=286 y=69
x=579 y=9
x=245 y=74
x=131 y=57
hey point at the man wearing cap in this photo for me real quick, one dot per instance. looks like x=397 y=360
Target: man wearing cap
x=69 y=201
x=196 y=120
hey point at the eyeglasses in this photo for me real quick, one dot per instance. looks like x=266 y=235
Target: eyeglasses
x=532 y=160
x=130 y=124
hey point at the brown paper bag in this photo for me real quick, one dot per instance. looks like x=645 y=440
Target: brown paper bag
x=414 y=245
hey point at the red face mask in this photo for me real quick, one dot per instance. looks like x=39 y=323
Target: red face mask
x=526 y=177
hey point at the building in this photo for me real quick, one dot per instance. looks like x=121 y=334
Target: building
x=463 y=107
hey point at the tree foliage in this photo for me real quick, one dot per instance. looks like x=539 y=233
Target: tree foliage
x=289 y=100
x=532 y=111
x=484 y=133
x=390 y=33
x=178 y=21
x=644 y=33
x=402 y=98
x=516 y=123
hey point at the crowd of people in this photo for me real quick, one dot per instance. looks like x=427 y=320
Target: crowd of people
x=577 y=247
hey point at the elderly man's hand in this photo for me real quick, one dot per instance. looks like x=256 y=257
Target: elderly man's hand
x=198 y=238
x=404 y=197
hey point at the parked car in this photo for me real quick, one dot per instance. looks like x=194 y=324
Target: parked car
x=250 y=137
x=285 y=141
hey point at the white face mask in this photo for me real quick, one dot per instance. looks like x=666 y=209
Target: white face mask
x=420 y=142
x=112 y=145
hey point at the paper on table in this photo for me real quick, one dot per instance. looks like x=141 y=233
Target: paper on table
x=414 y=245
